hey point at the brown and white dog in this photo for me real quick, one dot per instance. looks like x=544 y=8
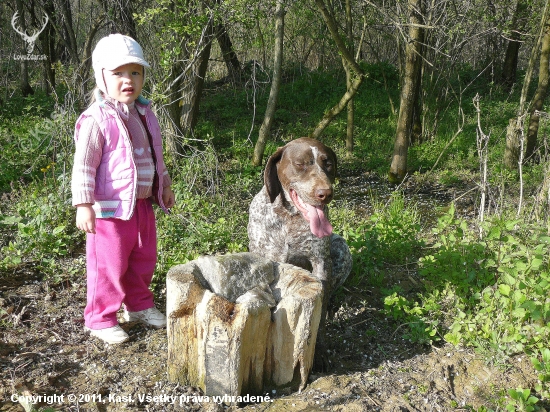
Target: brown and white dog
x=288 y=218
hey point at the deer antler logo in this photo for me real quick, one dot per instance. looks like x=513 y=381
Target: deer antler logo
x=30 y=40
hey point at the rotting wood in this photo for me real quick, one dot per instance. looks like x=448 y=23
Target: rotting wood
x=263 y=340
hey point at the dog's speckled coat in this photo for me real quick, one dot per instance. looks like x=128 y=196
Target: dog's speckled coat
x=277 y=228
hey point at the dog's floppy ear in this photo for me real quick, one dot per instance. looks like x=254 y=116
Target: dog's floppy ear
x=271 y=179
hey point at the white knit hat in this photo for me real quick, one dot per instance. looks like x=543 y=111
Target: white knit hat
x=114 y=51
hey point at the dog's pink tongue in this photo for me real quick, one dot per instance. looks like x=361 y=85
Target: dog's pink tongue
x=318 y=223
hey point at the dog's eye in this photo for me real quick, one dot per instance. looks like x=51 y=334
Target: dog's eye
x=303 y=164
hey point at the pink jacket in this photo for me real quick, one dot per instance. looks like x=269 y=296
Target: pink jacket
x=116 y=177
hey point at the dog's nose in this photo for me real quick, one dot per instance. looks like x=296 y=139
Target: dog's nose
x=324 y=195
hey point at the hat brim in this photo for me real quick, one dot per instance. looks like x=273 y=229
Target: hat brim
x=116 y=63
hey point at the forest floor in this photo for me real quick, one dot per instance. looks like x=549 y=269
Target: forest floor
x=44 y=351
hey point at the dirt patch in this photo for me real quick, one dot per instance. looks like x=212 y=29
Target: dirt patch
x=439 y=381
x=45 y=351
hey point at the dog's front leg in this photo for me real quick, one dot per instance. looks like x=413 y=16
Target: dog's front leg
x=321 y=361
x=322 y=270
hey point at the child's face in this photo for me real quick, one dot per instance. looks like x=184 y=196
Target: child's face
x=124 y=83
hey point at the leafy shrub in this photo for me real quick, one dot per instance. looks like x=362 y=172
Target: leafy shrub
x=37 y=221
x=421 y=325
x=389 y=235
x=395 y=228
x=41 y=229
x=541 y=363
x=489 y=292
x=202 y=223
x=33 y=143
x=522 y=400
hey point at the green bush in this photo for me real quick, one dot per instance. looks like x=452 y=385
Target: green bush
x=489 y=292
x=34 y=144
x=388 y=236
x=39 y=229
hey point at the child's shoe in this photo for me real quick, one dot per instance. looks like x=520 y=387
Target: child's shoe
x=113 y=335
x=150 y=317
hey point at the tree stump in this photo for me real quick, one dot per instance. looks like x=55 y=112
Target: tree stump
x=241 y=324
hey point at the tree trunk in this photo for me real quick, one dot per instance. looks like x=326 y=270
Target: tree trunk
x=84 y=68
x=351 y=117
x=349 y=79
x=335 y=110
x=492 y=47
x=48 y=76
x=354 y=73
x=47 y=39
x=69 y=38
x=509 y=68
x=24 y=84
x=262 y=42
x=374 y=51
x=127 y=25
x=173 y=107
x=510 y=65
x=540 y=94
x=122 y=16
x=511 y=153
x=192 y=90
x=413 y=50
x=333 y=28
x=228 y=53
x=275 y=84
x=416 y=128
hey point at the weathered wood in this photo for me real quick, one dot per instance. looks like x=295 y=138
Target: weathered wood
x=262 y=338
x=184 y=296
x=293 y=333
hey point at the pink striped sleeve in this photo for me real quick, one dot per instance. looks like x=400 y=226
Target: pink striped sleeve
x=89 y=148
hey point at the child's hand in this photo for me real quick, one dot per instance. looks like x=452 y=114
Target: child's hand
x=85 y=218
x=168 y=197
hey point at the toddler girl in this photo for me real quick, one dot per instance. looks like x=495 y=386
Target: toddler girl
x=118 y=170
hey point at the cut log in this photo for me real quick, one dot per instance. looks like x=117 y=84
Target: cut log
x=293 y=332
x=241 y=324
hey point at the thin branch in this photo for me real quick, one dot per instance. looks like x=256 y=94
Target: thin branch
x=482 y=143
x=520 y=127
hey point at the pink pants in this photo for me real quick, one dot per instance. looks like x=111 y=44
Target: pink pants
x=120 y=259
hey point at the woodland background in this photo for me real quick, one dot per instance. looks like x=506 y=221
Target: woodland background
x=444 y=94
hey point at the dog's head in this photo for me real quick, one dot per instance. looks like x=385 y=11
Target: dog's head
x=303 y=171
